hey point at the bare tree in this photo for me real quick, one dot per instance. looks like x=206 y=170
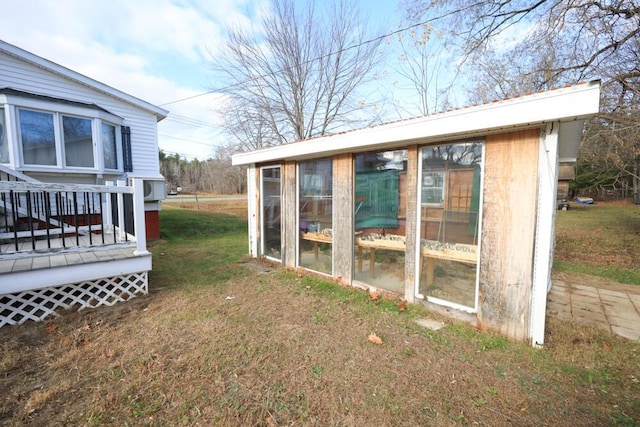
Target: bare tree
x=595 y=31
x=518 y=46
x=297 y=77
x=420 y=70
x=214 y=175
x=249 y=129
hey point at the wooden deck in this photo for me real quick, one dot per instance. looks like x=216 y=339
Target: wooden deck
x=60 y=256
x=59 y=262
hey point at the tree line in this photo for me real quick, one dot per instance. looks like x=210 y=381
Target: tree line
x=215 y=175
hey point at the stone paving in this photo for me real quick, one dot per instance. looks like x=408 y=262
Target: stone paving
x=607 y=305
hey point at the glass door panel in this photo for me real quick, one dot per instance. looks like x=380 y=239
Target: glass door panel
x=380 y=219
x=270 y=183
x=315 y=215
x=450 y=181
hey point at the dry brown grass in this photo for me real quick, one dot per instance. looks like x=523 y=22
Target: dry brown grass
x=269 y=347
x=236 y=208
x=278 y=349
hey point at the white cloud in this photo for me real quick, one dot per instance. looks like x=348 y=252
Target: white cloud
x=156 y=50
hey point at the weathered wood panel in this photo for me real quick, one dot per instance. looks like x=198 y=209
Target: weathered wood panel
x=566 y=172
x=343 y=218
x=459 y=187
x=289 y=215
x=508 y=231
x=411 y=215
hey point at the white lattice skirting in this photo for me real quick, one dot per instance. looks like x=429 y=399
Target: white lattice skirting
x=37 y=304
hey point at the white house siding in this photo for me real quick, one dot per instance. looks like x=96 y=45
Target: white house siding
x=21 y=75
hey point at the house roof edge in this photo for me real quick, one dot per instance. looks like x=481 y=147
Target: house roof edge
x=67 y=73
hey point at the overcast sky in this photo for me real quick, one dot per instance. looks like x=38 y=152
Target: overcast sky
x=156 y=50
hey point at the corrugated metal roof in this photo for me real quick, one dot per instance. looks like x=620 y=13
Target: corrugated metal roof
x=572 y=103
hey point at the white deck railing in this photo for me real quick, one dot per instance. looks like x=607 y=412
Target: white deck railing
x=45 y=217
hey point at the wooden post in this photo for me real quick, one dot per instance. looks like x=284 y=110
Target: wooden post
x=121 y=226
x=289 y=216
x=372 y=262
x=508 y=232
x=343 y=217
x=412 y=240
x=107 y=219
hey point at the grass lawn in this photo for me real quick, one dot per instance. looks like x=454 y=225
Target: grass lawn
x=601 y=240
x=224 y=340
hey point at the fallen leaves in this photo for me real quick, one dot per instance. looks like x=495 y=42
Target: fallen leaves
x=374 y=296
x=374 y=338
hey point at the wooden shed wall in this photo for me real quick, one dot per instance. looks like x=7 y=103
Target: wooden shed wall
x=289 y=215
x=343 y=218
x=508 y=230
x=508 y=227
x=412 y=238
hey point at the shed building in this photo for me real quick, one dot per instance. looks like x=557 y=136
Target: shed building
x=454 y=210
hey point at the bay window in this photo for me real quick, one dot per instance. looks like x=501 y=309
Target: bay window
x=48 y=134
x=54 y=140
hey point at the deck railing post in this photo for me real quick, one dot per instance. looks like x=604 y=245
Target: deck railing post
x=107 y=213
x=139 y=217
x=122 y=230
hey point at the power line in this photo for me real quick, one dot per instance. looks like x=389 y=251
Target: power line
x=185 y=139
x=180 y=154
x=209 y=92
x=189 y=120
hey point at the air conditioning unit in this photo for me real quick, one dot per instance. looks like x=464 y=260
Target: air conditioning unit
x=154 y=190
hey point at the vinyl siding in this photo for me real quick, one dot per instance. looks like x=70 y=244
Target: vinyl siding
x=24 y=76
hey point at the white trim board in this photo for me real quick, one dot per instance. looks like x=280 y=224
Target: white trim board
x=56 y=276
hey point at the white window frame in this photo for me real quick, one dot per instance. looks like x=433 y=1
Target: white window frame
x=64 y=145
x=418 y=219
x=262 y=219
x=119 y=154
x=13 y=103
x=299 y=177
x=5 y=134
